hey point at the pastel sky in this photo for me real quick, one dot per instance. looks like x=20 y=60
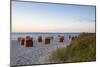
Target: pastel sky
x=46 y=17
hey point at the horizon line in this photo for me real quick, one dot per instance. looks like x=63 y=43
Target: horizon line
x=53 y=32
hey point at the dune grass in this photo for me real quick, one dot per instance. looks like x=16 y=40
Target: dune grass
x=82 y=48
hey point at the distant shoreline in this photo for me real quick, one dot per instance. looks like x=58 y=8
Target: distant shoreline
x=49 y=32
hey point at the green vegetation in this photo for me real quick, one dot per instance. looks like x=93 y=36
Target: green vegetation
x=82 y=48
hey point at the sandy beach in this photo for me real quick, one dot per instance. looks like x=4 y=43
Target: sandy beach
x=33 y=55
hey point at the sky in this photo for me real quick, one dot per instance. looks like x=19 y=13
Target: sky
x=50 y=17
